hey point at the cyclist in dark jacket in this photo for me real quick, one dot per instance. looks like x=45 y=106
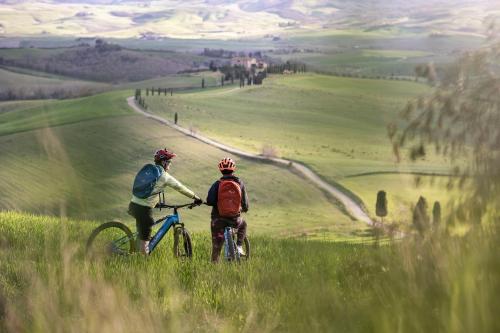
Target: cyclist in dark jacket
x=227 y=168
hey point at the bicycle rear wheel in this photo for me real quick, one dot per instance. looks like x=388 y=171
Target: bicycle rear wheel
x=182 y=243
x=230 y=245
x=246 y=247
x=110 y=238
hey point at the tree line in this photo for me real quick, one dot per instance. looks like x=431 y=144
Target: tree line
x=294 y=67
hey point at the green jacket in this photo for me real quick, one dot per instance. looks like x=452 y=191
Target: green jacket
x=163 y=182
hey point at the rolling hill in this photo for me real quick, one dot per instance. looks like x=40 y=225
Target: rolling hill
x=78 y=158
x=221 y=19
x=337 y=126
x=16 y=83
x=101 y=61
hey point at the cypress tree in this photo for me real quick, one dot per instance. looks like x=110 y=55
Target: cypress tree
x=436 y=214
x=421 y=220
x=381 y=205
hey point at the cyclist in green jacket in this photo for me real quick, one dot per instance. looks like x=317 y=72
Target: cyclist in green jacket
x=142 y=209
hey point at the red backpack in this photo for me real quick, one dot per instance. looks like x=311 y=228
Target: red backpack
x=229 y=198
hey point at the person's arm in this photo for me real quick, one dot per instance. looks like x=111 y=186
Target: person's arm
x=244 y=198
x=178 y=186
x=212 y=194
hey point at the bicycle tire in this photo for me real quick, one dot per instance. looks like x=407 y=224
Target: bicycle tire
x=246 y=244
x=186 y=250
x=118 y=231
x=231 y=245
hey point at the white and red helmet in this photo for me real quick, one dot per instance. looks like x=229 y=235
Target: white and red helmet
x=227 y=164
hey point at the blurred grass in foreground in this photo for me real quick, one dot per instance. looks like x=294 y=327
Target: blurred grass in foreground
x=437 y=284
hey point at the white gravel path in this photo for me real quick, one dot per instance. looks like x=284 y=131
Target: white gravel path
x=350 y=205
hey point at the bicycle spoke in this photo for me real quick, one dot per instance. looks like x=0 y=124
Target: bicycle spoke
x=112 y=238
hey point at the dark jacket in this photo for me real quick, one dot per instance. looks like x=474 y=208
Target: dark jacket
x=214 y=191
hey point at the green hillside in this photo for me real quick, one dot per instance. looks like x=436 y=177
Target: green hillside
x=101 y=61
x=21 y=84
x=311 y=118
x=337 y=126
x=78 y=158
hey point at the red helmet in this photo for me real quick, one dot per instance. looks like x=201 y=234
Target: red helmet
x=227 y=164
x=163 y=154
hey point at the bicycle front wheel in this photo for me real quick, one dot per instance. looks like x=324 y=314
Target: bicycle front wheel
x=110 y=238
x=182 y=243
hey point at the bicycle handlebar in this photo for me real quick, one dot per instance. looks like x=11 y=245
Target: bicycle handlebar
x=164 y=205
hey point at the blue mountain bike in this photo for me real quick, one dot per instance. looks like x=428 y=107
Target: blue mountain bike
x=115 y=238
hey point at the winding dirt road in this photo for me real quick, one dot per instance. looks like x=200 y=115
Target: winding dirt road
x=352 y=207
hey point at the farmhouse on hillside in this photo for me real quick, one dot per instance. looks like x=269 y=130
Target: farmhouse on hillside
x=248 y=63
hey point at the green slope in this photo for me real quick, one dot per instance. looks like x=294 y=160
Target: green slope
x=25 y=84
x=84 y=164
x=335 y=125
x=56 y=113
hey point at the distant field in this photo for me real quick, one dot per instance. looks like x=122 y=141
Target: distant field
x=316 y=119
x=192 y=80
x=335 y=125
x=23 y=83
x=84 y=163
x=29 y=85
x=363 y=62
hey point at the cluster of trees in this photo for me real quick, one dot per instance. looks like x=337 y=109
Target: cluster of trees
x=365 y=76
x=159 y=91
x=221 y=53
x=294 y=67
x=140 y=100
x=240 y=73
x=421 y=220
x=103 y=62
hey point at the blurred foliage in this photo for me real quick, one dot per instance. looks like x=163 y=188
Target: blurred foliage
x=460 y=120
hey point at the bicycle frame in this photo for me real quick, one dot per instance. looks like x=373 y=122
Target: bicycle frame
x=169 y=221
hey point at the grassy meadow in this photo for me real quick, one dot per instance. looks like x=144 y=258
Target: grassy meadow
x=436 y=284
x=78 y=157
x=337 y=126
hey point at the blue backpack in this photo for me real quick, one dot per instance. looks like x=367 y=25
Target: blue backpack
x=145 y=180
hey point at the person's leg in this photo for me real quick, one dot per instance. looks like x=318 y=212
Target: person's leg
x=217 y=228
x=144 y=222
x=241 y=230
